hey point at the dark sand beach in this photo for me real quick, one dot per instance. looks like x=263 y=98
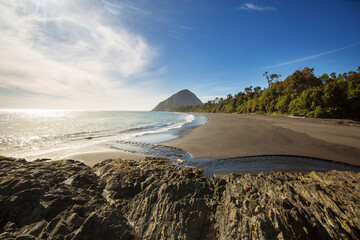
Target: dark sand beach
x=92 y=158
x=233 y=135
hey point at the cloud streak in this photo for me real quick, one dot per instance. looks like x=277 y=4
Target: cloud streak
x=185 y=27
x=69 y=49
x=312 y=56
x=253 y=7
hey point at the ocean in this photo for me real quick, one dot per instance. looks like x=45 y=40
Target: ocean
x=33 y=134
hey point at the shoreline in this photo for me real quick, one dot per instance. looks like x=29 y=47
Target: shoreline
x=241 y=135
x=97 y=134
x=222 y=138
x=90 y=155
x=92 y=158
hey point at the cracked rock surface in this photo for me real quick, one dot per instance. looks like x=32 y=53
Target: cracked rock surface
x=149 y=199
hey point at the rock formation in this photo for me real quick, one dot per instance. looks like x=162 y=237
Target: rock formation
x=179 y=99
x=149 y=199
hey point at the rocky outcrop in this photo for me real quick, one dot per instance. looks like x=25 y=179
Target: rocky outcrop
x=179 y=99
x=150 y=199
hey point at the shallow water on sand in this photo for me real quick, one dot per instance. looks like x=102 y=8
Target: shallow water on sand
x=255 y=164
x=251 y=164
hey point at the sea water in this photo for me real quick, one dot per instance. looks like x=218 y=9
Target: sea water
x=33 y=134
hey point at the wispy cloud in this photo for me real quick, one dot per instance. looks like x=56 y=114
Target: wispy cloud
x=185 y=27
x=177 y=34
x=206 y=85
x=253 y=7
x=313 y=56
x=70 y=49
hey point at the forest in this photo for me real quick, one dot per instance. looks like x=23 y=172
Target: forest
x=300 y=94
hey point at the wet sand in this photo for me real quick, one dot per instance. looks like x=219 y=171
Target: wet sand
x=92 y=158
x=240 y=135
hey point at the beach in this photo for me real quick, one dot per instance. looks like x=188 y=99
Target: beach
x=92 y=158
x=228 y=136
x=240 y=135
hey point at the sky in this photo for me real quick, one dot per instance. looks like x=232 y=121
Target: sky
x=131 y=54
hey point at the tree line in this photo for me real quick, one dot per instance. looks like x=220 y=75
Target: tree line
x=300 y=94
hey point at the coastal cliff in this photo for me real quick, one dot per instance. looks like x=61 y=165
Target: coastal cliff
x=179 y=99
x=149 y=199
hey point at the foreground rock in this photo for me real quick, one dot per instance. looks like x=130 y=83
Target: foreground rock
x=152 y=200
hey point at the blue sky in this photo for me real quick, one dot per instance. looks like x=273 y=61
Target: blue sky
x=129 y=55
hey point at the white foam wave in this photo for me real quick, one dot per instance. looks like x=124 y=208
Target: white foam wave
x=170 y=126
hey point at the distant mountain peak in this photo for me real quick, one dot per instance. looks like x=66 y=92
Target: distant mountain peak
x=185 y=90
x=182 y=98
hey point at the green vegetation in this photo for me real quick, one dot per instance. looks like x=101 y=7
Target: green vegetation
x=300 y=94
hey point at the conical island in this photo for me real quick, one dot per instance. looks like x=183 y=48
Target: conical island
x=179 y=99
